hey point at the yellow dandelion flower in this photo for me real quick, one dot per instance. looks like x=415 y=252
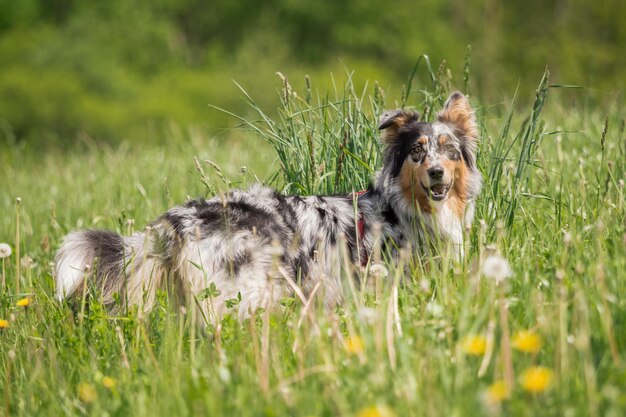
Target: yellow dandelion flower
x=87 y=393
x=108 y=382
x=354 y=345
x=474 y=345
x=527 y=341
x=536 y=379
x=24 y=302
x=376 y=411
x=4 y=324
x=497 y=392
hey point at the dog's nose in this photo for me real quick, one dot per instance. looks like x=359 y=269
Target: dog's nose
x=435 y=172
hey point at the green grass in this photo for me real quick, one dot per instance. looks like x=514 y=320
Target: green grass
x=553 y=204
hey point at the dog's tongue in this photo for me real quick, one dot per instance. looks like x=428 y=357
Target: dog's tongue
x=438 y=188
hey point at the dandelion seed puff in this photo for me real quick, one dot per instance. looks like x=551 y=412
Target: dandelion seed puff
x=27 y=262
x=5 y=250
x=567 y=238
x=497 y=268
x=436 y=310
x=379 y=271
x=366 y=315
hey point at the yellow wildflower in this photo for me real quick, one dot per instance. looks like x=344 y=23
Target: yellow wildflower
x=536 y=379
x=474 y=345
x=527 y=341
x=24 y=302
x=354 y=345
x=108 y=382
x=497 y=392
x=87 y=393
x=4 y=324
x=376 y=411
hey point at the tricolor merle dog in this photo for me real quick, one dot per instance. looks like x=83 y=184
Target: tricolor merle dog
x=259 y=246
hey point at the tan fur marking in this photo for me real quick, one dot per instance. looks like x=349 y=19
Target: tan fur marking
x=394 y=121
x=442 y=139
x=412 y=187
x=457 y=199
x=459 y=114
x=422 y=140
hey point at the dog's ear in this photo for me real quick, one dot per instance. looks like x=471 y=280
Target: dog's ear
x=459 y=115
x=391 y=120
x=397 y=118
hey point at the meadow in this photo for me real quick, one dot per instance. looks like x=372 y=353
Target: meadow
x=443 y=339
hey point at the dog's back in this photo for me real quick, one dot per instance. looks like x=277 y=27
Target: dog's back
x=255 y=246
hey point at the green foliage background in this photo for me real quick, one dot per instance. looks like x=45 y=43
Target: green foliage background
x=120 y=69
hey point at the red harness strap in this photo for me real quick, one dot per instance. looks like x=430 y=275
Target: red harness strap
x=360 y=224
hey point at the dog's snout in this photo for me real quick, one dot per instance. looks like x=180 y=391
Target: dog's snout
x=436 y=172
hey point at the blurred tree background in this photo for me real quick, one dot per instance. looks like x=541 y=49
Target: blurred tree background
x=121 y=69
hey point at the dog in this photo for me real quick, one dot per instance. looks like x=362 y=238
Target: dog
x=258 y=246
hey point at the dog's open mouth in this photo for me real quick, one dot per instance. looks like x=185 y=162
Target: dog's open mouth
x=437 y=192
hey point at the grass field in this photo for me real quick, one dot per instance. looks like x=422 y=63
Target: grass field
x=439 y=341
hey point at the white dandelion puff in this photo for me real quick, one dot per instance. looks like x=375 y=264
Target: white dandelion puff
x=436 y=310
x=567 y=238
x=379 y=271
x=366 y=315
x=5 y=250
x=497 y=268
x=27 y=262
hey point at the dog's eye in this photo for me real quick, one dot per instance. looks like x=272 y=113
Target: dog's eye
x=416 y=149
x=452 y=152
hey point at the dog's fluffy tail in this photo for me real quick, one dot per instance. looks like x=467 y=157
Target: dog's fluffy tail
x=118 y=267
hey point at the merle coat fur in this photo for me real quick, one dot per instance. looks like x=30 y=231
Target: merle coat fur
x=259 y=245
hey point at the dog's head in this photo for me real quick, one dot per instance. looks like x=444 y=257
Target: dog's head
x=433 y=162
